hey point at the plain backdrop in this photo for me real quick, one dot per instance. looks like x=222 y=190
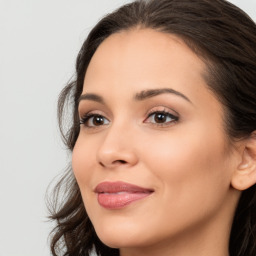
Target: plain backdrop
x=39 y=41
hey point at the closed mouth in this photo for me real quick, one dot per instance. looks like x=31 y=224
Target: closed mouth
x=116 y=195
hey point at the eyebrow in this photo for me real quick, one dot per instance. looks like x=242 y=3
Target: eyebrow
x=91 y=96
x=154 y=92
x=143 y=95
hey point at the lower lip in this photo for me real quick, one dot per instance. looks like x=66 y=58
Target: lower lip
x=117 y=201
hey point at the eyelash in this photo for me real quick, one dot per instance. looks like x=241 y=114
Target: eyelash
x=86 y=118
x=165 y=113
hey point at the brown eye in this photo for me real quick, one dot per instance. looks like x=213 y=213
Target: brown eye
x=94 y=120
x=97 y=120
x=161 y=118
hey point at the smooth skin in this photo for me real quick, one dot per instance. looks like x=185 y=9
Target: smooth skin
x=170 y=139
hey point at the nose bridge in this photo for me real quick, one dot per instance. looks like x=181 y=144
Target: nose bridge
x=117 y=146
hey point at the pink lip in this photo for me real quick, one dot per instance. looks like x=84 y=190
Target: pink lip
x=116 y=195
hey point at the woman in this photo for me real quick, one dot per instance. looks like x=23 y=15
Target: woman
x=163 y=136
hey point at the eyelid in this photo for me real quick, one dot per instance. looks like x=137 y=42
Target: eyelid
x=91 y=114
x=162 y=110
x=84 y=114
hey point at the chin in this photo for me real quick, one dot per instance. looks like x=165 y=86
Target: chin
x=120 y=236
x=116 y=239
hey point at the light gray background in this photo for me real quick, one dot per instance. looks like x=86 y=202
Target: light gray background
x=39 y=41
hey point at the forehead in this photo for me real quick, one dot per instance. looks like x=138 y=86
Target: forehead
x=142 y=54
x=142 y=59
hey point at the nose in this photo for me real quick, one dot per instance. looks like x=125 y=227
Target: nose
x=117 y=149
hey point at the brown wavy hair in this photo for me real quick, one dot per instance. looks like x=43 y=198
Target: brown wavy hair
x=224 y=37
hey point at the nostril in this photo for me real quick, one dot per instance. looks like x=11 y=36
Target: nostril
x=114 y=163
x=120 y=161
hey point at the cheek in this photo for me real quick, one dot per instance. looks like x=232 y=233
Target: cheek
x=189 y=167
x=82 y=156
x=83 y=165
x=191 y=176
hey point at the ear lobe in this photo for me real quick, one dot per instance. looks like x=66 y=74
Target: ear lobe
x=245 y=174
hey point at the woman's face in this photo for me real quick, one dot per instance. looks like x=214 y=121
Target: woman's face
x=152 y=159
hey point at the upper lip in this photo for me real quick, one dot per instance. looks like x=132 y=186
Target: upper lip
x=119 y=186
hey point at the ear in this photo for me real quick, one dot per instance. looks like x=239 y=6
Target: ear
x=245 y=174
